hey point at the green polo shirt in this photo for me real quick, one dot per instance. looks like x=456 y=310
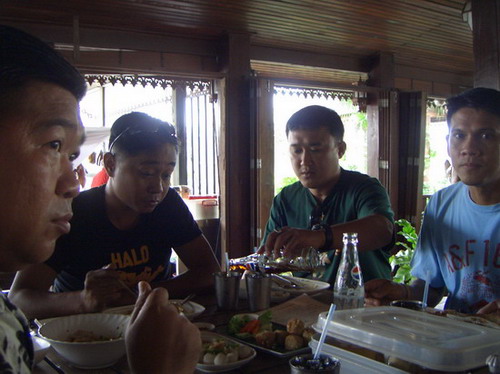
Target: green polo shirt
x=354 y=196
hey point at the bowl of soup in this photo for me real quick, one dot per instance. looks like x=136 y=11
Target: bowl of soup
x=88 y=341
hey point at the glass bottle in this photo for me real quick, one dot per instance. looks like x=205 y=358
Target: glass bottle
x=349 y=290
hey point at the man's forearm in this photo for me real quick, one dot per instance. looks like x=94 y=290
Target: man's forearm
x=188 y=282
x=45 y=304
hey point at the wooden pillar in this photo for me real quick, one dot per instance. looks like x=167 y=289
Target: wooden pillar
x=383 y=124
x=486 y=39
x=236 y=148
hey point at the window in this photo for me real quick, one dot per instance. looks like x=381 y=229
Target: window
x=436 y=154
x=289 y=100
x=110 y=96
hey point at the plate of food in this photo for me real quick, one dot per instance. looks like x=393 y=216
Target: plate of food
x=260 y=333
x=190 y=309
x=490 y=320
x=220 y=354
x=298 y=286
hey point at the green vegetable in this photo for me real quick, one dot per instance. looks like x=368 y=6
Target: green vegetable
x=237 y=322
x=265 y=321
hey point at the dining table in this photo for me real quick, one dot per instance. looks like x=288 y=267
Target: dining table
x=263 y=363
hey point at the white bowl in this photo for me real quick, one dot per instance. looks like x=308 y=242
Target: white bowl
x=88 y=354
x=190 y=309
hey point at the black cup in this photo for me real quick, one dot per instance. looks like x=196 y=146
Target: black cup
x=408 y=304
x=301 y=365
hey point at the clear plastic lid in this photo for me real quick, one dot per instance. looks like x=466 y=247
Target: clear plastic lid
x=427 y=340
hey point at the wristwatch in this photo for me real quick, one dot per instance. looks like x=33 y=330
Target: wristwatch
x=328 y=236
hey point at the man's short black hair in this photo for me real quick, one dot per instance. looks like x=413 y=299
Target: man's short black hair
x=24 y=59
x=137 y=132
x=315 y=116
x=486 y=99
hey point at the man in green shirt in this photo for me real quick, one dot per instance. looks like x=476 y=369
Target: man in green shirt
x=328 y=201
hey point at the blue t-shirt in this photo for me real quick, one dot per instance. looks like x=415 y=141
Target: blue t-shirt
x=459 y=247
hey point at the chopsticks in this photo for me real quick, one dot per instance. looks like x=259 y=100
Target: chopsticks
x=53 y=365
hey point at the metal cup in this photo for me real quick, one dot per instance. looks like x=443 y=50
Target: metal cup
x=227 y=288
x=258 y=291
x=299 y=365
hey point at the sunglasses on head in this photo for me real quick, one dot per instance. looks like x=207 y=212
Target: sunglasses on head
x=131 y=131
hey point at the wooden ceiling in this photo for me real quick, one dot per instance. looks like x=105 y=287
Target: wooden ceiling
x=423 y=34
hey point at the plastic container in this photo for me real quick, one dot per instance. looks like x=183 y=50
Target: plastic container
x=352 y=363
x=203 y=207
x=430 y=341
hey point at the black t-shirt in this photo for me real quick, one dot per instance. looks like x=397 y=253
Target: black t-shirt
x=141 y=253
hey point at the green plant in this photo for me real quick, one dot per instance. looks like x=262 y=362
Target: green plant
x=400 y=262
x=285 y=182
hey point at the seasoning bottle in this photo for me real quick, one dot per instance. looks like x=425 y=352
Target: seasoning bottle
x=349 y=290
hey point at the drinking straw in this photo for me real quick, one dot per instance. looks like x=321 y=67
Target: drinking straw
x=426 y=289
x=226 y=264
x=325 y=329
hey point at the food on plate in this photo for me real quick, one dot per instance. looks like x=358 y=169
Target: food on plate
x=246 y=325
x=266 y=339
x=280 y=337
x=490 y=320
x=295 y=326
x=218 y=351
x=307 y=334
x=83 y=336
x=293 y=342
x=260 y=330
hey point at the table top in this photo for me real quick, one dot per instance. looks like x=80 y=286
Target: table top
x=264 y=363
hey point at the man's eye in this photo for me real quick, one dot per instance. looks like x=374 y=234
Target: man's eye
x=74 y=156
x=487 y=136
x=166 y=177
x=458 y=135
x=56 y=144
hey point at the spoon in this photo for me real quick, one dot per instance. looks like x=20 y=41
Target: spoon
x=179 y=304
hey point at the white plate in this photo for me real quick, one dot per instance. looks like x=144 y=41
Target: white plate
x=191 y=309
x=207 y=336
x=307 y=286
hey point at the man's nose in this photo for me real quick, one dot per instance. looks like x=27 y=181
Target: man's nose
x=156 y=186
x=305 y=158
x=68 y=184
x=471 y=146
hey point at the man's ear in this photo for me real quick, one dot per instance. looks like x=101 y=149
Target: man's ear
x=109 y=163
x=342 y=148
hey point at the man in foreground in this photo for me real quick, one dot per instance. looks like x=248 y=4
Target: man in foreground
x=40 y=136
x=459 y=244
x=328 y=201
x=122 y=232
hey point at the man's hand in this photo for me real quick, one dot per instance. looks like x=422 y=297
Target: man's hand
x=382 y=292
x=159 y=339
x=103 y=288
x=290 y=242
x=493 y=307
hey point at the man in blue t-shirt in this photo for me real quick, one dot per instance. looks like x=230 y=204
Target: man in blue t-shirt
x=459 y=245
